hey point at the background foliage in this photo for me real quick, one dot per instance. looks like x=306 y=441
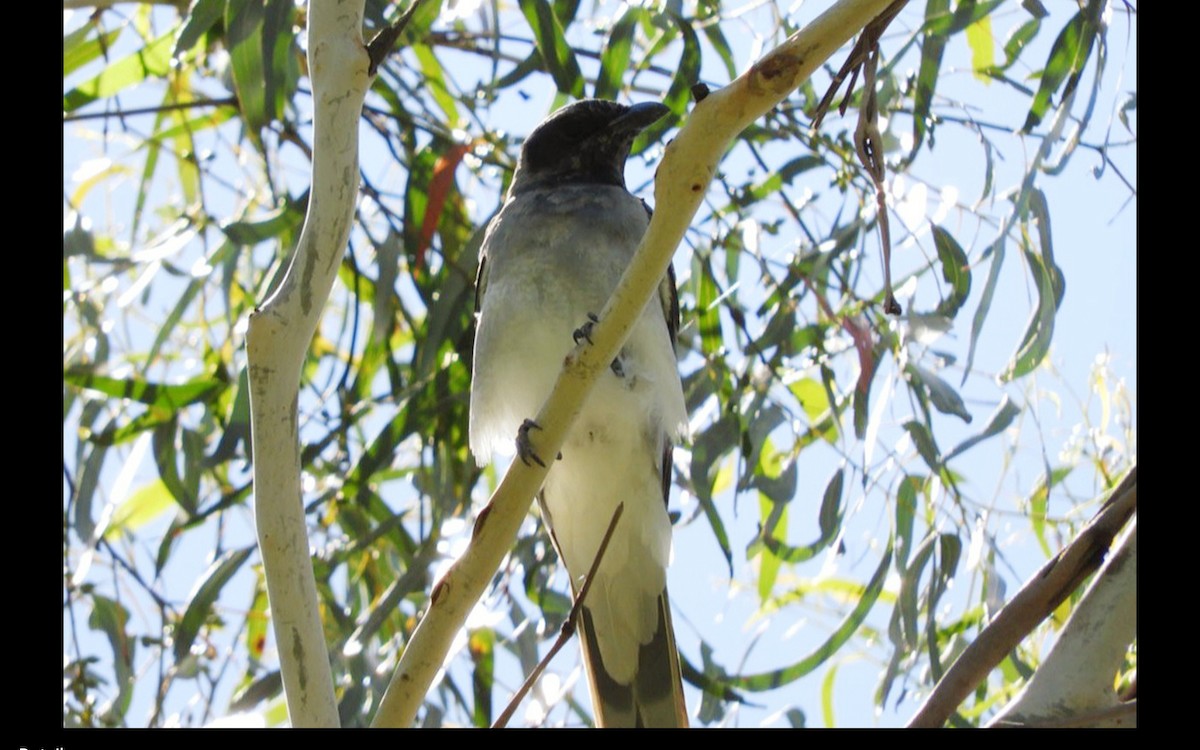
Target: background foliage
x=865 y=477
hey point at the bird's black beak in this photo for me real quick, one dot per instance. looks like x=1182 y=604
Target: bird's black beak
x=639 y=117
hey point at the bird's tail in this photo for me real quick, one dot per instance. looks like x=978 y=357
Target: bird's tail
x=655 y=696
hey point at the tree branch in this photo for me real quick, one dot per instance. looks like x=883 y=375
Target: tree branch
x=1074 y=683
x=688 y=166
x=277 y=340
x=1032 y=604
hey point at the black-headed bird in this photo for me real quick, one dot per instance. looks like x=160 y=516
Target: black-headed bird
x=549 y=261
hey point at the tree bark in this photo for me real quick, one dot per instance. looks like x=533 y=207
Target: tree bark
x=277 y=341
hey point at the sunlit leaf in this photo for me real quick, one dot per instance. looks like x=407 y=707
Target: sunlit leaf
x=153 y=394
x=151 y=61
x=983 y=50
x=481 y=644
x=143 y=506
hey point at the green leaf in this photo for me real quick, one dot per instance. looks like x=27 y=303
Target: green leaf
x=814 y=399
x=151 y=61
x=614 y=58
x=110 y=618
x=907 y=602
x=868 y=596
x=243 y=23
x=709 y=447
x=1039 y=503
x=78 y=50
x=1051 y=286
x=1068 y=56
x=435 y=83
x=774 y=518
x=925 y=444
x=203 y=596
x=172 y=397
x=933 y=44
x=708 y=315
x=985 y=301
x=687 y=72
x=827 y=696
x=945 y=399
x=268 y=226
x=906 y=508
x=705 y=10
x=1035 y=8
x=956 y=271
x=556 y=53
x=201 y=17
x=1001 y=418
x=829 y=520
x=1017 y=41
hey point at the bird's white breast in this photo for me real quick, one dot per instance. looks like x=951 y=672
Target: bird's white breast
x=574 y=245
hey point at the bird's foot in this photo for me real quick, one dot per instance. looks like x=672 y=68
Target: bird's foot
x=584 y=332
x=525 y=449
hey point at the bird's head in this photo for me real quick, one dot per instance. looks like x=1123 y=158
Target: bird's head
x=584 y=142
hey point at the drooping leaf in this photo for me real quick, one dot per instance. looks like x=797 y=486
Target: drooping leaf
x=204 y=595
x=933 y=44
x=829 y=520
x=1050 y=284
x=201 y=17
x=614 y=58
x=111 y=619
x=956 y=271
x=906 y=507
x=244 y=20
x=435 y=82
x=551 y=42
x=708 y=448
x=945 y=399
x=1068 y=56
x=985 y=302
x=867 y=598
x=999 y=421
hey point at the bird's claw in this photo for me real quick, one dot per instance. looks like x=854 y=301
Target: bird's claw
x=525 y=449
x=584 y=332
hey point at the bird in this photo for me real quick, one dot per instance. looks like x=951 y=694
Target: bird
x=549 y=260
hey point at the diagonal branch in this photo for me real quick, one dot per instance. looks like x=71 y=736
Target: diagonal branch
x=568 y=627
x=1032 y=604
x=688 y=166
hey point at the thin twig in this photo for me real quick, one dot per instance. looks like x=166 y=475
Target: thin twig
x=229 y=101
x=381 y=46
x=568 y=627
